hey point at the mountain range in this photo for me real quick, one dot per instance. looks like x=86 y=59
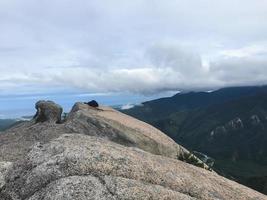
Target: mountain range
x=6 y=123
x=229 y=125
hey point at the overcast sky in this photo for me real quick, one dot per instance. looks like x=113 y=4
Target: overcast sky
x=135 y=46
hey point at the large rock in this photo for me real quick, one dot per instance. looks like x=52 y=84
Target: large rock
x=4 y=167
x=48 y=111
x=85 y=167
x=120 y=128
x=103 y=122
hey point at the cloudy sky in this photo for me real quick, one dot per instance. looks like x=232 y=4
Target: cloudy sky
x=135 y=47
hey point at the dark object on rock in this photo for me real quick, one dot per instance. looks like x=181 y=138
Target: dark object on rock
x=48 y=111
x=93 y=103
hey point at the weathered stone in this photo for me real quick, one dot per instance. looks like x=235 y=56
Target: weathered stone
x=4 y=167
x=235 y=124
x=85 y=167
x=255 y=120
x=48 y=111
x=102 y=122
x=123 y=129
x=220 y=130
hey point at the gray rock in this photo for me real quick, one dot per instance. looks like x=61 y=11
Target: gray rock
x=115 y=126
x=4 y=167
x=102 y=122
x=232 y=125
x=220 y=130
x=255 y=120
x=235 y=124
x=86 y=167
x=48 y=111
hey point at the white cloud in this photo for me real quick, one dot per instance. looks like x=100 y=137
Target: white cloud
x=241 y=71
x=247 y=51
x=131 y=46
x=127 y=106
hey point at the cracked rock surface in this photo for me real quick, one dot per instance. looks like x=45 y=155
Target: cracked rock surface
x=87 y=167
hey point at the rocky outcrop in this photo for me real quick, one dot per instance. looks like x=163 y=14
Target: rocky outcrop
x=100 y=153
x=232 y=125
x=218 y=131
x=255 y=120
x=48 y=111
x=235 y=124
x=86 y=167
x=103 y=122
x=4 y=167
x=123 y=129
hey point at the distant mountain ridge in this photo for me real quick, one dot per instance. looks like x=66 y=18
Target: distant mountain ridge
x=229 y=125
x=6 y=123
x=183 y=101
